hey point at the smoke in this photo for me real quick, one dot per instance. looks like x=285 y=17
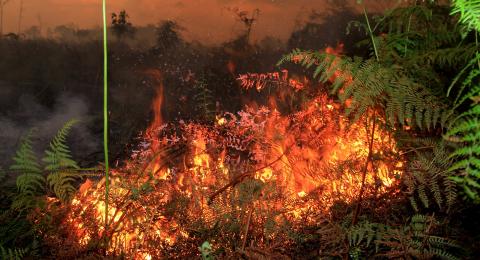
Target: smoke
x=207 y=21
x=30 y=114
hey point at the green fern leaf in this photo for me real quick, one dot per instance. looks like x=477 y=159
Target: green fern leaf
x=30 y=181
x=60 y=165
x=12 y=254
x=469 y=11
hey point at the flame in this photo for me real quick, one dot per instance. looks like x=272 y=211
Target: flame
x=157 y=122
x=310 y=160
x=157 y=101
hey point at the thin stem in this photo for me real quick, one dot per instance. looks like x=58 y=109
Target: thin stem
x=408 y=31
x=105 y=110
x=370 y=145
x=371 y=34
x=364 y=173
x=247 y=227
x=476 y=44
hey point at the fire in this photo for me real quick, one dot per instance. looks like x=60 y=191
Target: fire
x=157 y=120
x=250 y=166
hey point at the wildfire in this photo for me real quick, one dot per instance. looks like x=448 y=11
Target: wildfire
x=248 y=167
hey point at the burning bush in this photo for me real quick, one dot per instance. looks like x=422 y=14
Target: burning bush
x=248 y=184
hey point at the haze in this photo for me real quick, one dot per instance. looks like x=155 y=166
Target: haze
x=208 y=21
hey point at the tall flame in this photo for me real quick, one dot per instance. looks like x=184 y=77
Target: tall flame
x=309 y=159
x=157 y=101
x=157 y=122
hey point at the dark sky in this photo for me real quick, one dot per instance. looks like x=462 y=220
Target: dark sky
x=204 y=20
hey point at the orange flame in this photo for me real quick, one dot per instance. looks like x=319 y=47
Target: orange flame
x=312 y=156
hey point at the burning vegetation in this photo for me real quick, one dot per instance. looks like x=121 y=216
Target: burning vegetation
x=323 y=156
x=254 y=178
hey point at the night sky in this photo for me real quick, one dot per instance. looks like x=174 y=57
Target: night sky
x=209 y=21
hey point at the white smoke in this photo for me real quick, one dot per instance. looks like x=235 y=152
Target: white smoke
x=46 y=121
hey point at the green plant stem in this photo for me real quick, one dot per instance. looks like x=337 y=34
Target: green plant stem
x=408 y=31
x=105 y=109
x=371 y=34
x=476 y=45
x=370 y=146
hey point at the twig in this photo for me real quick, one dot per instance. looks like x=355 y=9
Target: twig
x=247 y=228
x=416 y=149
x=242 y=176
x=364 y=173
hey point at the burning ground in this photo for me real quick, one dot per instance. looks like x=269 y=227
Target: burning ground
x=249 y=184
x=218 y=153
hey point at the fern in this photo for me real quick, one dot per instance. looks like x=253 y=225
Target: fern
x=415 y=241
x=12 y=254
x=30 y=182
x=469 y=11
x=362 y=236
x=206 y=251
x=60 y=165
x=465 y=129
x=429 y=180
x=203 y=99
x=369 y=84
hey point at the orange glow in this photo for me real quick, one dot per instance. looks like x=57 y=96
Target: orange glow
x=306 y=161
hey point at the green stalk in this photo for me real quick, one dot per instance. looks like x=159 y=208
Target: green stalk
x=105 y=109
x=476 y=45
x=408 y=31
x=356 y=212
x=371 y=34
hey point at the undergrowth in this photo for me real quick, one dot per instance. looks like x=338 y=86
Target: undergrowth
x=259 y=184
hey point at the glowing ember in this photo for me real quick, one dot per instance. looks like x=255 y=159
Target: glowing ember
x=248 y=167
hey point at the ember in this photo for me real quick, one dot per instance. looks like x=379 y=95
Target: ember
x=269 y=139
x=259 y=163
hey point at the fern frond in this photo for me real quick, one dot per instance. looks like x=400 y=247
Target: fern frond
x=429 y=180
x=60 y=165
x=415 y=241
x=469 y=11
x=367 y=83
x=12 y=254
x=444 y=57
x=465 y=130
x=30 y=181
x=204 y=101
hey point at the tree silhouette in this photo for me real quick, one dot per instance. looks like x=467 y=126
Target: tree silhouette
x=121 y=26
x=248 y=22
x=168 y=35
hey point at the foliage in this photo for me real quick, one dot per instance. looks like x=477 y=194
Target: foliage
x=416 y=240
x=413 y=47
x=12 y=254
x=204 y=102
x=469 y=11
x=60 y=165
x=30 y=182
x=168 y=36
x=465 y=128
x=19 y=227
x=412 y=241
x=369 y=84
x=361 y=237
x=121 y=26
x=206 y=251
x=427 y=176
x=416 y=48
